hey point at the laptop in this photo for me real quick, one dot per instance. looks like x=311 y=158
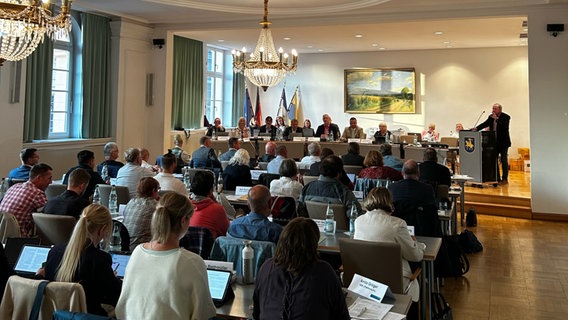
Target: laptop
x=380 y=140
x=307 y=132
x=295 y=134
x=220 y=286
x=221 y=134
x=13 y=247
x=31 y=258
x=119 y=263
x=351 y=177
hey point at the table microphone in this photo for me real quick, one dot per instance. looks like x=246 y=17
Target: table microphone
x=476 y=122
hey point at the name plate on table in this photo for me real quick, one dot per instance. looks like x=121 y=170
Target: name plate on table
x=299 y=139
x=254 y=174
x=410 y=230
x=354 y=140
x=370 y=289
x=358 y=195
x=314 y=139
x=241 y=191
x=219 y=265
x=223 y=138
x=246 y=139
x=366 y=141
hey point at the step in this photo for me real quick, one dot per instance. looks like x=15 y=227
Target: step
x=500 y=209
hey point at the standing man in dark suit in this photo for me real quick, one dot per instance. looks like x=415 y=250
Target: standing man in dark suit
x=499 y=123
x=328 y=128
x=410 y=189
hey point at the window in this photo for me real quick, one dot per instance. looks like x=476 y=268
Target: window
x=61 y=87
x=215 y=83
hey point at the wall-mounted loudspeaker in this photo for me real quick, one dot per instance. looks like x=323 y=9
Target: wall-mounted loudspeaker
x=159 y=42
x=15 y=80
x=150 y=89
x=555 y=28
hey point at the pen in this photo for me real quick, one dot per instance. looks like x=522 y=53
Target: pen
x=116 y=268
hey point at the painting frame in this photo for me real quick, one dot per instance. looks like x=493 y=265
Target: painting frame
x=380 y=90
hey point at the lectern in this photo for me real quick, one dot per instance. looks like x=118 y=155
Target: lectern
x=478 y=155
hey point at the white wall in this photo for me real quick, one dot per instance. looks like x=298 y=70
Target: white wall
x=453 y=85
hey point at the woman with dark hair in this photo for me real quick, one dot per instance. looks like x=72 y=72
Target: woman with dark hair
x=308 y=127
x=375 y=169
x=138 y=211
x=162 y=280
x=295 y=284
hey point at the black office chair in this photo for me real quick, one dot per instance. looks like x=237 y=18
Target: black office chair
x=198 y=240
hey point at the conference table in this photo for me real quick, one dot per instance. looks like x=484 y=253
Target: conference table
x=330 y=244
x=241 y=306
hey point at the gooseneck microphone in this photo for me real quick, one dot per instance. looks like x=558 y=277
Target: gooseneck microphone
x=476 y=122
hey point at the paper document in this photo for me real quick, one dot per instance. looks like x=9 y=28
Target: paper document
x=368 y=309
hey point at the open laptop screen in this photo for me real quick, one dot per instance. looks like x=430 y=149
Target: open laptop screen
x=31 y=259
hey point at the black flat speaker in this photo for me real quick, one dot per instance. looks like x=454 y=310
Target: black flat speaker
x=557 y=27
x=158 y=42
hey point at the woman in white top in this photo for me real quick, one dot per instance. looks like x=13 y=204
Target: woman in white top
x=287 y=185
x=378 y=225
x=164 y=281
x=241 y=131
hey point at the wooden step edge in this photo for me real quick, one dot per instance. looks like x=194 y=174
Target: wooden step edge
x=507 y=206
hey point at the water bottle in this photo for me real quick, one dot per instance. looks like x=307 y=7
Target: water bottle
x=186 y=180
x=97 y=195
x=213 y=134
x=220 y=184
x=3 y=189
x=104 y=173
x=415 y=141
x=115 y=240
x=113 y=201
x=248 y=262
x=329 y=220
x=352 y=217
x=331 y=137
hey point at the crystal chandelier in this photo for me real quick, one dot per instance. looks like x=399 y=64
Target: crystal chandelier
x=266 y=67
x=24 y=23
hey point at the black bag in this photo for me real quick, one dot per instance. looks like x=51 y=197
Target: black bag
x=469 y=242
x=456 y=263
x=441 y=310
x=471 y=218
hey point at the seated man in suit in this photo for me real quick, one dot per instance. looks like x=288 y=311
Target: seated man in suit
x=293 y=128
x=410 y=188
x=353 y=131
x=71 y=202
x=234 y=145
x=383 y=132
x=111 y=154
x=216 y=127
x=255 y=225
x=29 y=158
x=353 y=156
x=268 y=127
x=328 y=129
x=86 y=161
x=432 y=172
x=269 y=152
x=204 y=156
x=328 y=187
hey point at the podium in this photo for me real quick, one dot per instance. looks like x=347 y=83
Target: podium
x=478 y=158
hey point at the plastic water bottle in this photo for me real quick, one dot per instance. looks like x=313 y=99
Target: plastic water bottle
x=220 y=184
x=248 y=262
x=352 y=217
x=113 y=201
x=104 y=173
x=415 y=141
x=331 y=137
x=186 y=180
x=213 y=134
x=97 y=195
x=115 y=240
x=329 y=220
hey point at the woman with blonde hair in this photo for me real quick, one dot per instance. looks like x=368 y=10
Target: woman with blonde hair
x=178 y=151
x=237 y=173
x=81 y=261
x=241 y=131
x=162 y=280
x=378 y=225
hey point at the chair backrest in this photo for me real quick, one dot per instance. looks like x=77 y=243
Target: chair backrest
x=424 y=218
x=230 y=249
x=443 y=193
x=122 y=192
x=266 y=178
x=53 y=229
x=379 y=261
x=450 y=141
x=21 y=292
x=124 y=235
x=317 y=210
x=13 y=181
x=366 y=184
x=198 y=240
x=53 y=190
x=193 y=171
x=308 y=179
x=263 y=165
x=353 y=169
x=9 y=226
x=283 y=209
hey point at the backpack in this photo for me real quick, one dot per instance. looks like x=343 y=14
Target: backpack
x=469 y=242
x=441 y=309
x=453 y=262
x=471 y=218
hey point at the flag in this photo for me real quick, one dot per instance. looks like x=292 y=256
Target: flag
x=293 y=107
x=258 y=112
x=205 y=121
x=248 y=112
x=282 y=109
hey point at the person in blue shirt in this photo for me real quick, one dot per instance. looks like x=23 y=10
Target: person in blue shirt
x=388 y=159
x=29 y=158
x=255 y=225
x=274 y=164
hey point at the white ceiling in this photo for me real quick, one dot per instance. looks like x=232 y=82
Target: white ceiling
x=331 y=25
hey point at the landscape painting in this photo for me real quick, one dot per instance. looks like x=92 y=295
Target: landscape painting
x=380 y=90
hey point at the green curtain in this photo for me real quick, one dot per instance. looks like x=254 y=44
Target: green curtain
x=187 y=91
x=96 y=77
x=37 y=107
x=238 y=97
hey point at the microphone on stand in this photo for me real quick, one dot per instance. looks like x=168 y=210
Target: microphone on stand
x=476 y=122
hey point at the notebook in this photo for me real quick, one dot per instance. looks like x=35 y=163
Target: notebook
x=119 y=262
x=31 y=259
x=14 y=246
x=219 y=286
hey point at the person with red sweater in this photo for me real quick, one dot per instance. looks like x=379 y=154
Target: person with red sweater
x=208 y=212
